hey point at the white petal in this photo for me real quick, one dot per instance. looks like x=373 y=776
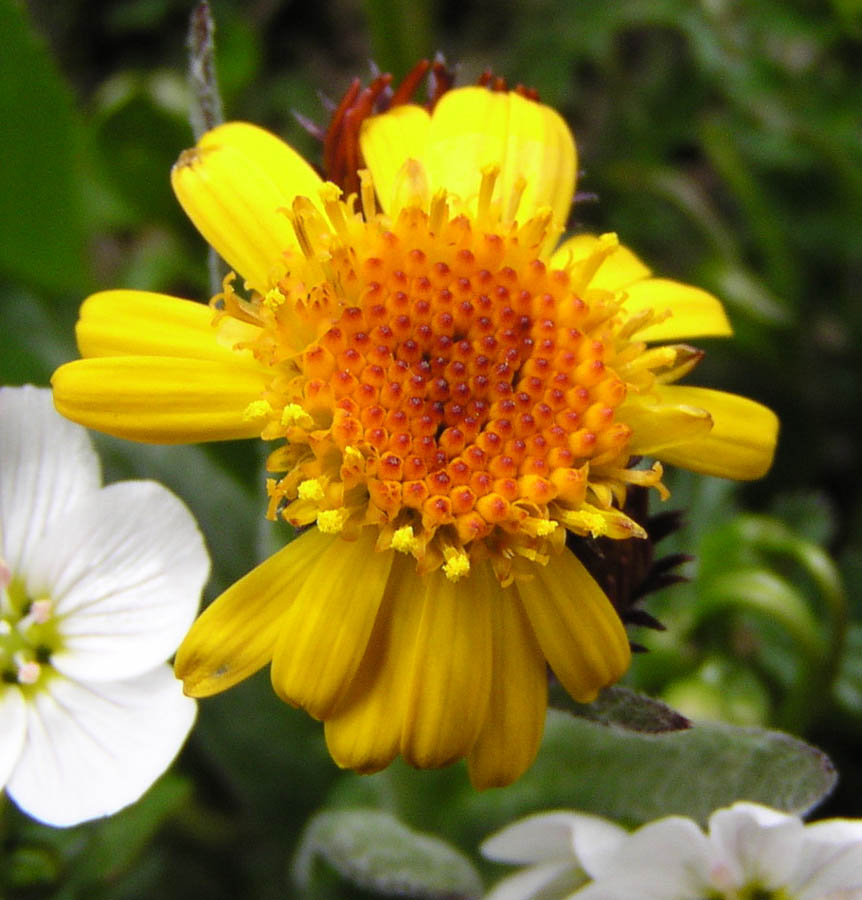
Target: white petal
x=46 y=465
x=743 y=811
x=835 y=831
x=530 y=882
x=756 y=845
x=597 y=841
x=667 y=859
x=93 y=749
x=827 y=870
x=549 y=836
x=658 y=886
x=125 y=571
x=13 y=715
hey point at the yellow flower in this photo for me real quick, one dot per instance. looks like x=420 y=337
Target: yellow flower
x=450 y=396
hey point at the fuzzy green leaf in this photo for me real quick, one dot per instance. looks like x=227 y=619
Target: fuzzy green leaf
x=375 y=851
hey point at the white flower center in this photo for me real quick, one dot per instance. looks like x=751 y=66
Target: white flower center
x=28 y=633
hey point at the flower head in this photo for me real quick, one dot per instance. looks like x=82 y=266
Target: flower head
x=749 y=852
x=450 y=396
x=97 y=586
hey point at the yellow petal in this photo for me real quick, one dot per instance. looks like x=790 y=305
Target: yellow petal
x=451 y=679
x=741 y=443
x=388 y=141
x=235 y=635
x=233 y=186
x=620 y=268
x=472 y=128
x=577 y=628
x=512 y=732
x=326 y=630
x=159 y=399
x=656 y=425
x=364 y=731
x=140 y=323
x=694 y=312
x=291 y=175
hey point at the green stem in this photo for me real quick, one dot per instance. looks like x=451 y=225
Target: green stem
x=206 y=110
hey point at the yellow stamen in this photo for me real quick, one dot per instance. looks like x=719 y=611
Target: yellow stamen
x=294 y=414
x=273 y=299
x=546 y=527
x=257 y=409
x=457 y=564
x=403 y=540
x=490 y=174
x=311 y=490
x=332 y=521
x=366 y=194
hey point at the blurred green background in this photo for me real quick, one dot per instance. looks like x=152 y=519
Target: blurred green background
x=720 y=139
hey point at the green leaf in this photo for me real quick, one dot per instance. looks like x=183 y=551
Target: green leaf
x=634 y=778
x=621 y=775
x=139 y=131
x=811 y=515
x=29 y=867
x=93 y=854
x=623 y=708
x=375 y=851
x=848 y=687
x=119 y=840
x=37 y=337
x=41 y=219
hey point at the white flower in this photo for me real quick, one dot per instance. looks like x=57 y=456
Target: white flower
x=98 y=585
x=555 y=847
x=750 y=852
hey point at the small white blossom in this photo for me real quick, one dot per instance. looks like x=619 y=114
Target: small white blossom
x=98 y=585
x=749 y=852
x=555 y=848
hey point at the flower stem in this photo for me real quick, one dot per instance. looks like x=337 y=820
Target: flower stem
x=205 y=109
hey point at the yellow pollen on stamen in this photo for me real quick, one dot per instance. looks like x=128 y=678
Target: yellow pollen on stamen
x=330 y=196
x=457 y=564
x=448 y=385
x=403 y=540
x=332 y=521
x=294 y=414
x=310 y=490
x=546 y=527
x=273 y=299
x=257 y=409
x=591 y=523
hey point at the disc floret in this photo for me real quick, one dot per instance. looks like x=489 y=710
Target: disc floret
x=434 y=375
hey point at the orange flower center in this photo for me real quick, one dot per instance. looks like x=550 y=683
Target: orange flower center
x=450 y=387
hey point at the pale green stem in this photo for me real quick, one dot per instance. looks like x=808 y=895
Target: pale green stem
x=206 y=111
